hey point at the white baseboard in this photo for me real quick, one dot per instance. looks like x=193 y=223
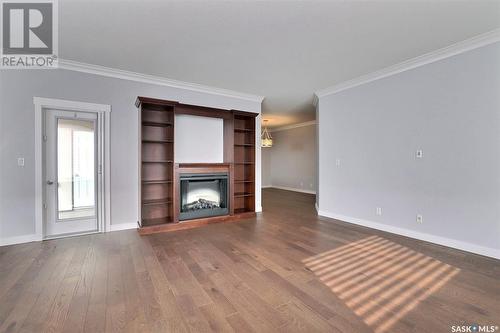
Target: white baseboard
x=123 y=226
x=291 y=189
x=266 y=186
x=19 y=239
x=34 y=238
x=461 y=245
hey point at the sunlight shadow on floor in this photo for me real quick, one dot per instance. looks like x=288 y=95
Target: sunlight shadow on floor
x=381 y=281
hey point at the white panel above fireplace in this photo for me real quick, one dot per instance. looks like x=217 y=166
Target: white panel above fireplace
x=198 y=139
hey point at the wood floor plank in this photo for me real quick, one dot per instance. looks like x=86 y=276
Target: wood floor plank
x=215 y=318
x=239 y=324
x=221 y=301
x=30 y=289
x=134 y=307
x=303 y=319
x=57 y=314
x=77 y=310
x=115 y=291
x=254 y=279
x=287 y=270
x=181 y=278
x=16 y=271
x=37 y=317
x=192 y=314
x=163 y=294
x=95 y=316
x=149 y=299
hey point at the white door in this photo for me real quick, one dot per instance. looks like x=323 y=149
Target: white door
x=71 y=172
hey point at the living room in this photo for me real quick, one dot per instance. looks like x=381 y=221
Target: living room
x=250 y=166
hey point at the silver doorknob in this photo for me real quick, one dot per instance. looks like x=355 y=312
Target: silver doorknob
x=50 y=182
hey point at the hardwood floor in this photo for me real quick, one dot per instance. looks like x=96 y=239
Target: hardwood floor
x=286 y=270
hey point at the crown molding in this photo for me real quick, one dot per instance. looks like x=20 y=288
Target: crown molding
x=315 y=100
x=151 y=79
x=289 y=127
x=443 y=53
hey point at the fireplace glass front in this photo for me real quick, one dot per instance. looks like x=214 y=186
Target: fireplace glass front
x=203 y=195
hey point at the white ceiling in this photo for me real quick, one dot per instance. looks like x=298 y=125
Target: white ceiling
x=279 y=49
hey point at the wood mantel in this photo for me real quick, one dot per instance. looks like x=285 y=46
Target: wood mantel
x=203 y=167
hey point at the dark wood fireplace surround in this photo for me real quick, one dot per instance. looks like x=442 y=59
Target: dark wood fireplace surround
x=159 y=202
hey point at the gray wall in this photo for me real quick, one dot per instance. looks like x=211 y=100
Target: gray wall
x=266 y=167
x=292 y=159
x=17 y=88
x=451 y=110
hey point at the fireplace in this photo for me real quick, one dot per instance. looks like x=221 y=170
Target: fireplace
x=203 y=195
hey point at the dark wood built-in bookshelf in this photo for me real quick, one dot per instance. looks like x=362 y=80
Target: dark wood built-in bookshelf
x=156 y=163
x=244 y=163
x=158 y=189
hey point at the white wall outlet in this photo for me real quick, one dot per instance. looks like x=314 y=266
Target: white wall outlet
x=379 y=211
x=420 y=218
x=20 y=161
x=337 y=162
x=419 y=153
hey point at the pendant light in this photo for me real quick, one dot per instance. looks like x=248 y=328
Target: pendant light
x=266 y=138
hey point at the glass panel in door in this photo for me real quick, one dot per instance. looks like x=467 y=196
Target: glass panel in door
x=75 y=169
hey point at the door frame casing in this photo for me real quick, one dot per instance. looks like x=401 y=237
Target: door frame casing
x=103 y=112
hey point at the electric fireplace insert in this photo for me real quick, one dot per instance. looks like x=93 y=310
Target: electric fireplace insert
x=203 y=195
